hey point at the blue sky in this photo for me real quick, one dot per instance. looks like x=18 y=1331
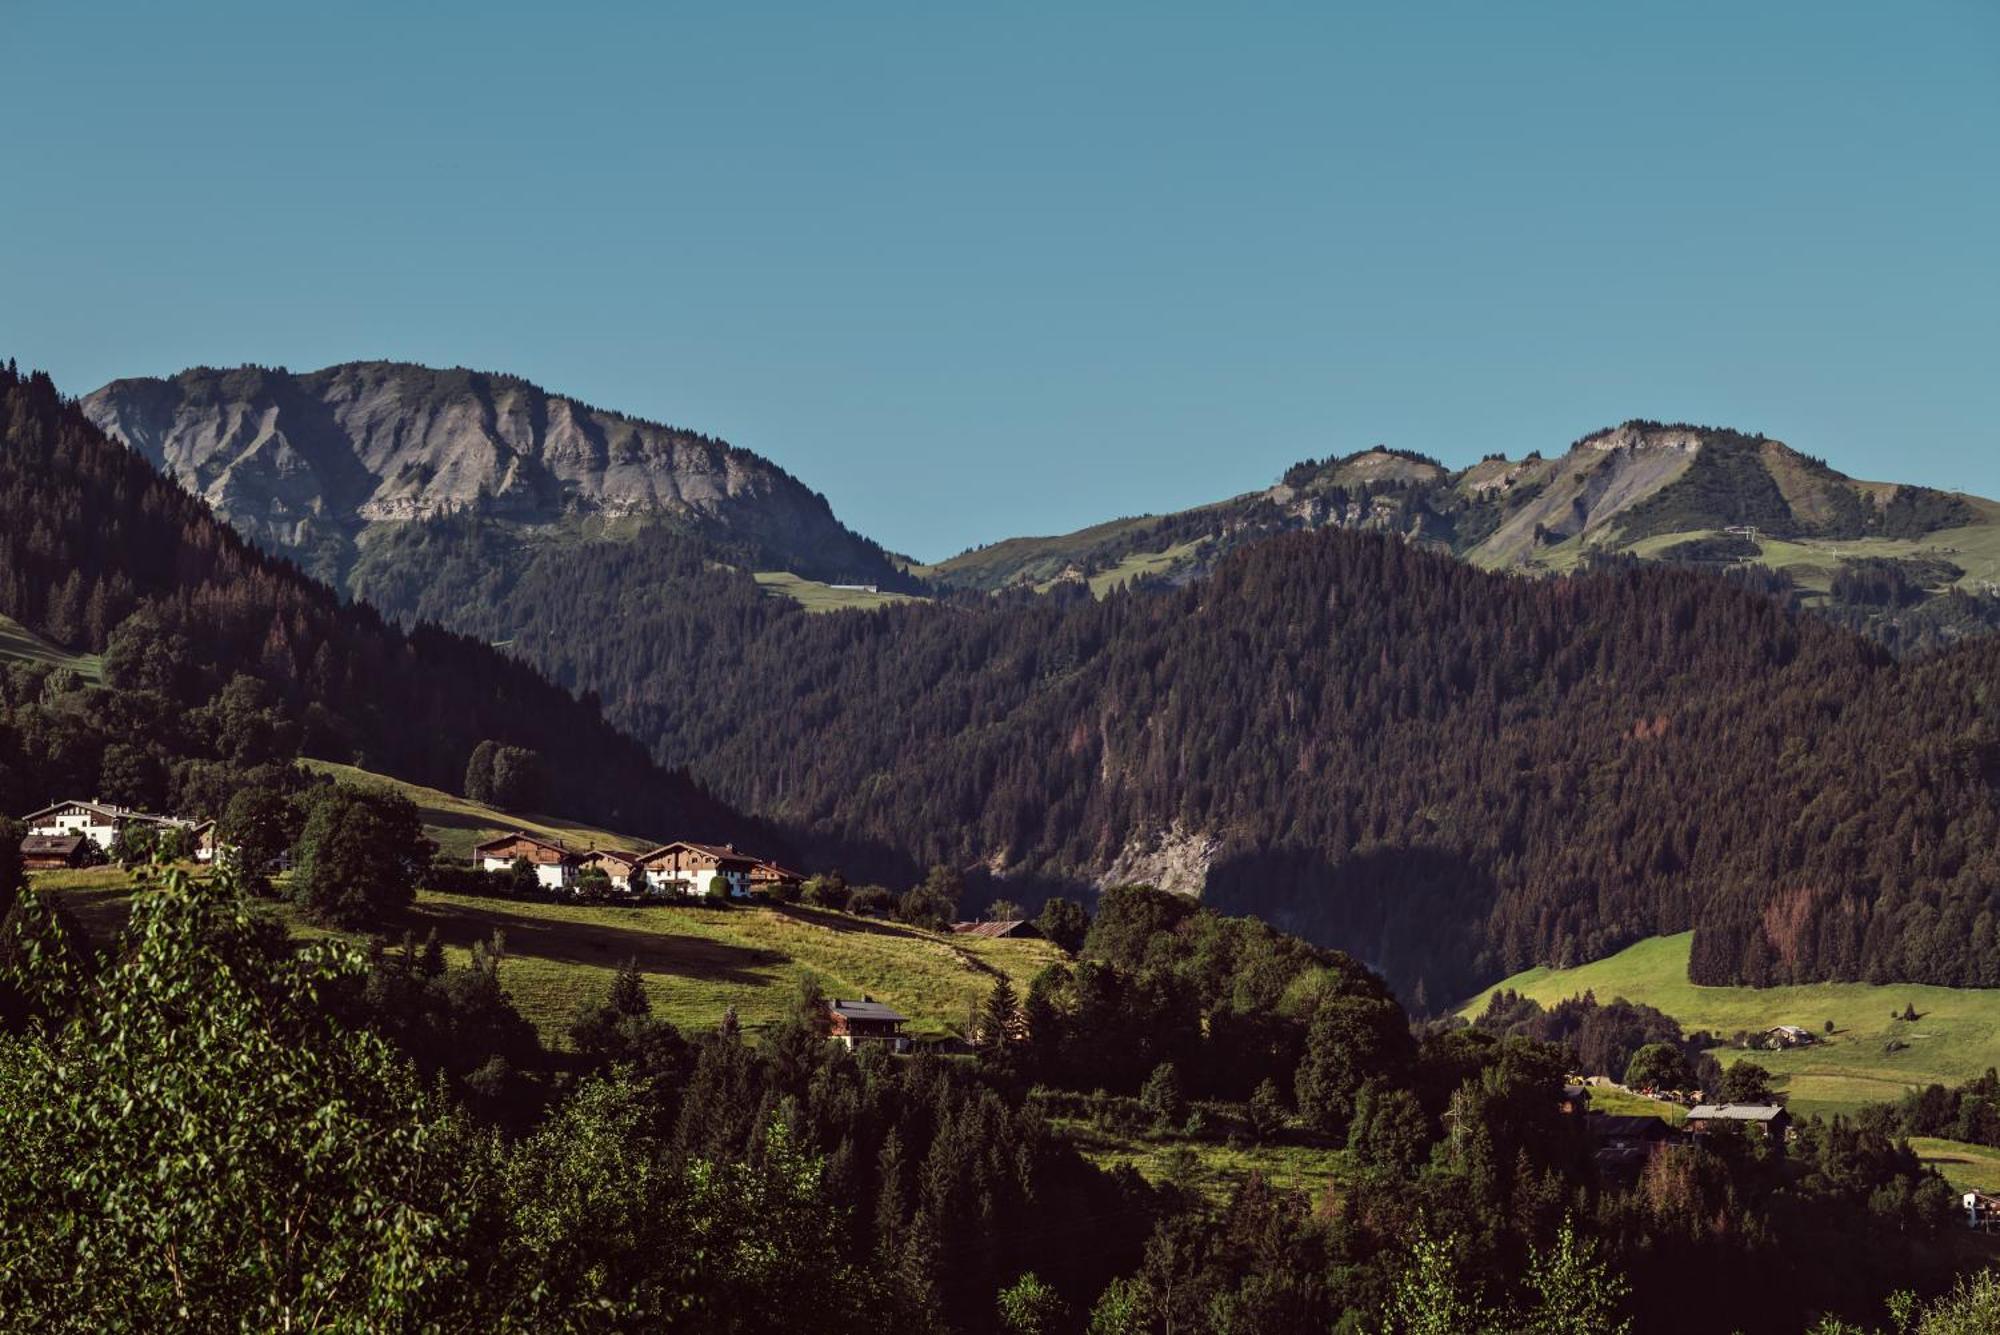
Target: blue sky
x=975 y=272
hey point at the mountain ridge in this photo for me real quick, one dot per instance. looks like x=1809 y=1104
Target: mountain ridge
x=309 y=464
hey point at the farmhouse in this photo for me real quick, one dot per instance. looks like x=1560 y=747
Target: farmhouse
x=1771 y=1118
x=555 y=866
x=993 y=931
x=52 y=852
x=766 y=875
x=617 y=867
x=93 y=820
x=855 y=1023
x=1621 y=1144
x=694 y=869
x=1982 y=1212
x=1788 y=1036
x=204 y=842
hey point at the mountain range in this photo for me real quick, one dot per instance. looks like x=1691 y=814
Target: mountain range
x=1333 y=701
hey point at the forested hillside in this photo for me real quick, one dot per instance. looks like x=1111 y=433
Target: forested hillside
x=1451 y=773
x=218 y=658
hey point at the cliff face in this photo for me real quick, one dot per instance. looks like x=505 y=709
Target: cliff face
x=304 y=464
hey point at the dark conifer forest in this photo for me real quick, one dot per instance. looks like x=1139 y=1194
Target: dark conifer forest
x=1451 y=773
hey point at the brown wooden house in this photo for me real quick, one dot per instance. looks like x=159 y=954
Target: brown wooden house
x=688 y=868
x=555 y=865
x=52 y=852
x=854 y=1023
x=767 y=875
x=616 y=866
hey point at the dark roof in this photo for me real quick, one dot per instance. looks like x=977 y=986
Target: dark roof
x=613 y=855
x=523 y=837
x=1006 y=927
x=1736 y=1112
x=51 y=845
x=720 y=852
x=866 y=1010
x=1627 y=1126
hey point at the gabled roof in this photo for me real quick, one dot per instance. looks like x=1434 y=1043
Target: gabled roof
x=612 y=855
x=109 y=812
x=770 y=868
x=720 y=852
x=51 y=845
x=1735 y=1112
x=1627 y=1126
x=105 y=809
x=1005 y=927
x=866 y=1010
x=523 y=837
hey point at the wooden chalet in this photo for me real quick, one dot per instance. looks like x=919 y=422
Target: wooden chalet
x=52 y=852
x=687 y=868
x=618 y=867
x=205 y=846
x=97 y=821
x=555 y=865
x=1982 y=1212
x=767 y=875
x=993 y=931
x=857 y=1023
x=1770 y=1118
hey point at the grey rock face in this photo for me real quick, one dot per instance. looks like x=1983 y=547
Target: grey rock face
x=294 y=461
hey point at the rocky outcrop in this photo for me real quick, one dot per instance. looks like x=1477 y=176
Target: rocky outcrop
x=297 y=462
x=1175 y=859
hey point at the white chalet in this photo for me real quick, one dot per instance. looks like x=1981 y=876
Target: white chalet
x=555 y=865
x=98 y=821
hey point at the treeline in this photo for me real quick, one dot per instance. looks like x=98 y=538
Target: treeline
x=1450 y=774
x=649 y=1178
x=218 y=657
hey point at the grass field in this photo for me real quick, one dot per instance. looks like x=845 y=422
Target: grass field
x=1217 y=1169
x=18 y=643
x=1955 y=1038
x=817 y=597
x=697 y=961
x=458 y=823
x=1976 y=1167
x=1624 y=1103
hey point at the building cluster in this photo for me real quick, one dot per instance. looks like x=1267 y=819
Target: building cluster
x=1621 y=1144
x=678 y=869
x=75 y=833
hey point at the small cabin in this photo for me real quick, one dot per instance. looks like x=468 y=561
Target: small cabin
x=204 y=842
x=856 y=1023
x=687 y=868
x=555 y=865
x=1787 y=1036
x=1017 y=928
x=52 y=852
x=1770 y=1118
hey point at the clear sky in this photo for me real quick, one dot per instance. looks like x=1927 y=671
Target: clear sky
x=976 y=271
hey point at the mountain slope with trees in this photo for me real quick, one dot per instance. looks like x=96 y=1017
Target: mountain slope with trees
x=218 y=658
x=1451 y=773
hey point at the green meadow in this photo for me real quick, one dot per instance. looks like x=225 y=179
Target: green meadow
x=1870 y=1057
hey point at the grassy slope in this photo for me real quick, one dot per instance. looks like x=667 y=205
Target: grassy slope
x=1963 y=1165
x=697 y=961
x=19 y=644
x=458 y=823
x=1219 y=1169
x=817 y=597
x=1956 y=1037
